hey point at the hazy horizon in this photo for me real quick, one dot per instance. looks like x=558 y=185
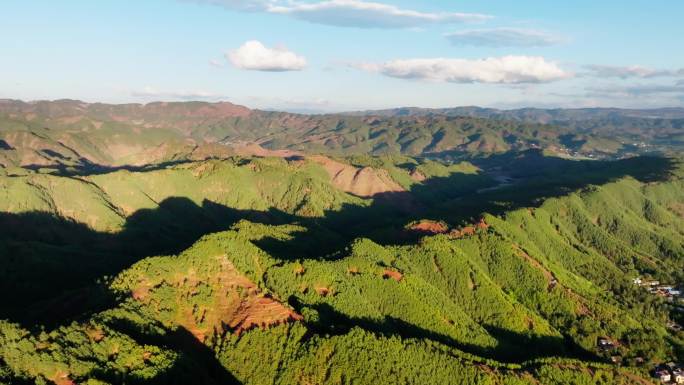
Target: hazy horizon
x=346 y=55
x=315 y=112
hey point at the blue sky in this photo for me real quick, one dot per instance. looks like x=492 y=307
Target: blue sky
x=330 y=55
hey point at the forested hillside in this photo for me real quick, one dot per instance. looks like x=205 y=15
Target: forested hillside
x=379 y=212
x=73 y=135
x=292 y=270
x=655 y=128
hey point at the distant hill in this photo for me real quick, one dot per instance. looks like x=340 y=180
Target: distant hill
x=651 y=126
x=540 y=115
x=68 y=133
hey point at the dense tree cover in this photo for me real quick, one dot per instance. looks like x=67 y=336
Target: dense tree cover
x=296 y=285
x=589 y=127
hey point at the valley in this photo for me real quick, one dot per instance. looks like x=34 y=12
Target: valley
x=245 y=263
x=341 y=192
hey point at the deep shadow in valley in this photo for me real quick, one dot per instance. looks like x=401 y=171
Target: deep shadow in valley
x=512 y=347
x=85 y=167
x=197 y=363
x=460 y=200
x=49 y=265
x=54 y=271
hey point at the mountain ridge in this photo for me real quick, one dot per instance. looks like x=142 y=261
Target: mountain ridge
x=69 y=133
x=552 y=273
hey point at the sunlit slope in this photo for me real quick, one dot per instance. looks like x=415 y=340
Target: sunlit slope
x=105 y=201
x=263 y=270
x=364 y=327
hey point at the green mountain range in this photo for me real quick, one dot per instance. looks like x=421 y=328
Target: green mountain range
x=68 y=133
x=198 y=243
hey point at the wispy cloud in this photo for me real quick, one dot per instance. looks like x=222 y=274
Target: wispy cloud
x=503 y=37
x=217 y=63
x=240 y=5
x=638 y=90
x=637 y=95
x=350 y=13
x=364 y=14
x=294 y=104
x=625 y=72
x=253 y=55
x=153 y=93
x=502 y=70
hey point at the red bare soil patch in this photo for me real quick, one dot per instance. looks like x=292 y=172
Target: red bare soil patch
x=469 y=230
x=417 y=176
x=233 y=303
x=262 y=312
x=322 y=291
x=395 y=275
x=429 y=227
x=140 y=293
x=62 y=378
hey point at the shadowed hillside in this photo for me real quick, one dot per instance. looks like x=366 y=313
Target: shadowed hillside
x=516 y=275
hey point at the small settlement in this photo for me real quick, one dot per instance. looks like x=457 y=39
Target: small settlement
x=669 y=373
x=661 y=290
x=667 y=291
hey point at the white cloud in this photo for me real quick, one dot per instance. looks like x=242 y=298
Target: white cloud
x=503 y=37
x=255 y=56
x=503 y=70
x=625 y=72
x=151 y=93
x=350 y=13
